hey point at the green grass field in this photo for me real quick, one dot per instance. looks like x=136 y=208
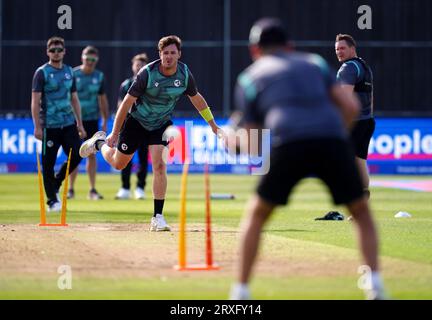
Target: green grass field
x=113 y=256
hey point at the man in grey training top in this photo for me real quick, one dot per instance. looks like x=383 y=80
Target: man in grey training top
x=295 y=96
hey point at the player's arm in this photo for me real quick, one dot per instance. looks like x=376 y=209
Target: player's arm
x=76 y=108
x=122 y=93
x=347 y=77
x=346 y=102
x=35 y=110
x=119 y=119
x=204 y=110
x=246 y=115
x=103 y=107
x=37 y=88
x=103 y=103
x=122 y=111
x=348 y=88
x=201 y=105
x=341 y=91
x=136 y=90
x=245 y=118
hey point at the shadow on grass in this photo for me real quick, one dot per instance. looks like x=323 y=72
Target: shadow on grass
x=287 y=230
x=111 y=212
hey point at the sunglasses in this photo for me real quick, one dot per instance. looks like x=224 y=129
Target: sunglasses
x=56 y=50
x=90 y=59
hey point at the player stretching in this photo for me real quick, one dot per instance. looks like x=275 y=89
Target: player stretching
x=152 y=96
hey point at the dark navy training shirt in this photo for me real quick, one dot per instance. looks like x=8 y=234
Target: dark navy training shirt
x=358 y=74
x=288 y=93
x=124 y=87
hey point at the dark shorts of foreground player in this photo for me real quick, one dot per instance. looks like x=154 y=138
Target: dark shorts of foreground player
x=331 y=160
x=133 y=135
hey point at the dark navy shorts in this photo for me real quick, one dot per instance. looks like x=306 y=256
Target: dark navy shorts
x=361 y=135
x=133 y=135
x=331 y=160
x=91 y=127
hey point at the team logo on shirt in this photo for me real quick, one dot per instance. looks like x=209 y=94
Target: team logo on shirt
x=124 y=146
x=51 y=75
x=177 y=83
x=78 y=79
x=68 y=76
x=95 y=81
x=156 y=84
x=50 y=143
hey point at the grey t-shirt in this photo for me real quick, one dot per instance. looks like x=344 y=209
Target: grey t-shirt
x=288 y=93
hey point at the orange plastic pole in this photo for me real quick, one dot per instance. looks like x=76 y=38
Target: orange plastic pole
x=41 y=192
x=209 y=253
x=65 y=189
x=182 y=231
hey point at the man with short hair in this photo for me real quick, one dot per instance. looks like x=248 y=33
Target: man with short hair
x=152 y=97
x=138 y=62
x=296 y=97
x=356 y=77
x=90 y=84
x=56 y=114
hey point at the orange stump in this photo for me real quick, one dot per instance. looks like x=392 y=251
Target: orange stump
x=182 y=266
x=43 y=222
x=182 y=227
x=41 y=192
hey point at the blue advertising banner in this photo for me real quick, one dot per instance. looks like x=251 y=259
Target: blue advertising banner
x=195 y=141
x=399 y=146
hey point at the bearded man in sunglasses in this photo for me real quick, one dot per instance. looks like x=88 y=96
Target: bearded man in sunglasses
x=56 y=114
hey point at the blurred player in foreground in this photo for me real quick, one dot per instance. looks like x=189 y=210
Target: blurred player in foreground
x=296 y=97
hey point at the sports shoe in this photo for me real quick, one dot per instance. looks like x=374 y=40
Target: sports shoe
x=377 y=294
x=54 y=206
x=89 y=146
x=332 y=215
x=71 y=194
x=239 y=292
x=123 y=194
x=139 y=193
x=94 y=195
x=158 y=223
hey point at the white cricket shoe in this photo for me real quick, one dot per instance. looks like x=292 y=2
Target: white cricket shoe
x=94 y=195
x=123 y=194
x=89 y=146
x=71 y=194
x=54 y=207
x=376 y=294
x=240 y=292
x=158 y=223
x=139 y=193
